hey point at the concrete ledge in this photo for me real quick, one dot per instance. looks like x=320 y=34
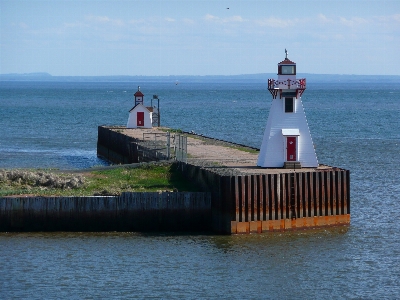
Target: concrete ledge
x=292 y=165
x=288 y=224
x=242 y=227
x=256 y=227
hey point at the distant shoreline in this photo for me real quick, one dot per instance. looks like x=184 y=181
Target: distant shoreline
x=245 y=78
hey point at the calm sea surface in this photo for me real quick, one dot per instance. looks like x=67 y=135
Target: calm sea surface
x=354 y=126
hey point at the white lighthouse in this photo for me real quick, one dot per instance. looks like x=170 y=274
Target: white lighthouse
x=140 y=116
x=287 y=140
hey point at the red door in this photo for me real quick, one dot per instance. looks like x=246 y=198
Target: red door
x=140 y=118
x=291 y=148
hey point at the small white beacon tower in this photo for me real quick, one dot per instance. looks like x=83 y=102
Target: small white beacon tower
x=287 y=140
x=140 y=116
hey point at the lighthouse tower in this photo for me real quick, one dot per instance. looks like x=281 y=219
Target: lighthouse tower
x=287 y=140
x=138 y=97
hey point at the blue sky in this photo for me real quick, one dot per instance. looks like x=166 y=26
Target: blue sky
x=198 y=37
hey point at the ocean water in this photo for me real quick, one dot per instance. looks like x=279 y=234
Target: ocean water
x=354 y=125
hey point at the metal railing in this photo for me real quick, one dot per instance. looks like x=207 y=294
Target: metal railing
x=287 y=84
x=170 y=145
x=180 y=147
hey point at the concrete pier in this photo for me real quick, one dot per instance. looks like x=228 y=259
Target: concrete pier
x=246 y=198
x=238 y=197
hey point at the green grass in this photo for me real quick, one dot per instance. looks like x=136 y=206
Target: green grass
x=114 y=181
x=245 y=149
x=172 y=130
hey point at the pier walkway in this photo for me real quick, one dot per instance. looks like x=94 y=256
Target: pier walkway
x=223 y=157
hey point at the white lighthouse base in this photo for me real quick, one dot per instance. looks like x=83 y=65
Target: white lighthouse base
x=287 y=132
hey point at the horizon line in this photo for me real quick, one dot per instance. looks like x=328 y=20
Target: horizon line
x=37 y=74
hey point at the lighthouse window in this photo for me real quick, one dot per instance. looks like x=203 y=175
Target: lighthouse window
x=288 y=70
x=289 y=105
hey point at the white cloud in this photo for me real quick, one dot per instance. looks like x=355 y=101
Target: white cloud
x=354 y=21
x=209 y=17
x=390 y=18
x=118 y=22
x=170 y=19
x=276 y=22
x=338 y=36
x=73 y=25
x=23 y=25
x=324 y=19
x=99 y=19
x=136 y=21
x=390 y=23
x=188 y=21
x=233 y=19
x=104 y=20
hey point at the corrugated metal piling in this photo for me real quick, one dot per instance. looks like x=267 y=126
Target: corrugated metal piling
x=289 y=201
x=166 y=211
x=282 y=201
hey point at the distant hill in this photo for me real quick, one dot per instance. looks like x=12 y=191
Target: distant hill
x=26 y=76
x=244 y=78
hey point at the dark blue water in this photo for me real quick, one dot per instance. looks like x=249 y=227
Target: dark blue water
x=354 y=125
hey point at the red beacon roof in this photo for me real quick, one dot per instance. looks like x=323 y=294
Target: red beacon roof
x=138 y=93
x=287 y=61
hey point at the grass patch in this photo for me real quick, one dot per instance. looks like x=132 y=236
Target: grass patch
x=245 y=149
x=171 y=130
x=114 y=181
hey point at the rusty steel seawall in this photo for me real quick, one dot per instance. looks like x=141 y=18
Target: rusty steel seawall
x=281 y=201
x=140 y=212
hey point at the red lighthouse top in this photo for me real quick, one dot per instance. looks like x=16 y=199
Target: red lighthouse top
x=138 y=97
x=138 y=93
x=287 y=67
x=287 y=61
x=287 y=81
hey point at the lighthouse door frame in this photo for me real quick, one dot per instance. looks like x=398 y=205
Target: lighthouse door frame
x=291 y=135
x=291 y=148
x=140 y=118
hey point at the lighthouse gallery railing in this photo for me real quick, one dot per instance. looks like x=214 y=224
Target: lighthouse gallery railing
x=275 y=85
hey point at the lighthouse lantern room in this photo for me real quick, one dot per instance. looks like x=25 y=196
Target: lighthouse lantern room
x=287 y=140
